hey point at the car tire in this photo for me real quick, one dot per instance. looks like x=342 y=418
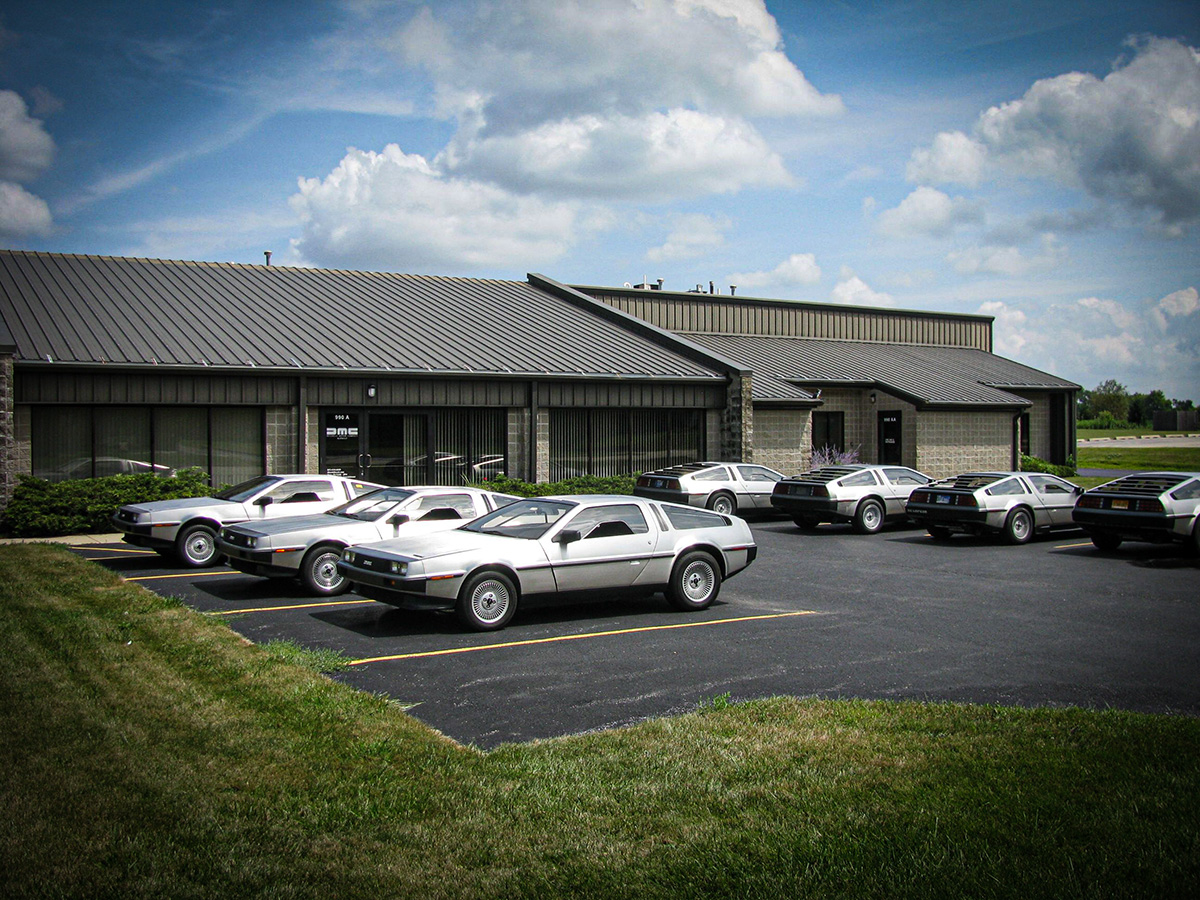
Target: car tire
x=487 y=602
x=1018 y=527
x=723 y=503
x=1106 y=542
x=868 y=518
x=1194 y=545
x=695 y=582
x=939 y=532
x=806 y=523
x=196 y=546
x=319 y=573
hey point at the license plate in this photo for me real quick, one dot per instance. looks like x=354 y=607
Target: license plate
x=945 y=498
x=1120 y=504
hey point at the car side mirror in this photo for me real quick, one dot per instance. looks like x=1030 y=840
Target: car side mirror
x=398 y=519
x=568 y=536
x=263 y=501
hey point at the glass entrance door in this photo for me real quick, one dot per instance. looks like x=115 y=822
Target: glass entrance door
x=889 y=438
x=383 y=447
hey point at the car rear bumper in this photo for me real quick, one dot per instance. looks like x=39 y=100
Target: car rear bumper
x=955 y=518
x=666 y=496
x=815 y=507
x=1134 y=526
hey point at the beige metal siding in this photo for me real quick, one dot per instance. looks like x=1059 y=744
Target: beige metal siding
x=717 y=314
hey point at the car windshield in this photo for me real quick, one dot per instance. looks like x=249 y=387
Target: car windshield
x=371 y=507
x=247 y=489
x=528 y=519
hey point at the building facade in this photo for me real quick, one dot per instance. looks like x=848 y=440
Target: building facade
x=112 y=364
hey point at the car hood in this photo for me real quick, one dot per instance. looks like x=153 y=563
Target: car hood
x=444 y=543
x=183 y=503
x=294 y=523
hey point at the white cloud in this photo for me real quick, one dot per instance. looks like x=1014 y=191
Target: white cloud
x=396 y=211
x=853 y=291
x=656 y=156
x=1007 y=260
x=1008 y=329
x=21 y=213
x=798 y=269
x=954 y=158
x=1178 y=305
x=927 y=212
x=692 y=236
x=26 y=150
x=525 y=62
x=1132 y=137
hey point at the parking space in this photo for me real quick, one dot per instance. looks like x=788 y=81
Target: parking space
x=832 y=614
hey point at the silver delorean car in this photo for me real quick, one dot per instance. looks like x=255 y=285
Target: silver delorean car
x=544 y=547
x=861 y=494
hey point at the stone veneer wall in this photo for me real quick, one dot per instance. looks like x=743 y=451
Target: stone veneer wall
x=8 y=437
x=1039 y=425
x=517 y=443
x=783 y=439
x=953 y=442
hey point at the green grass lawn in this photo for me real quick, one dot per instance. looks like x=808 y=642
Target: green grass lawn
x=1139 y=457
x=149 y=751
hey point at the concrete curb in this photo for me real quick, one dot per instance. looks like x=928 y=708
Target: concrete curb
x=69 y=539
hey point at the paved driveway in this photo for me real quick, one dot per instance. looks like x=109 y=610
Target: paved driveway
x=890 y=616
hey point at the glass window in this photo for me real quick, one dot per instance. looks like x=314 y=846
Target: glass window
x=610 y=521
x=720 y=473
x=905 y=476
x=181 y=438
x=829 y=430
x=238 y=445
x=865 y=478
x=1048 y=484
x=1006 y=487
x=685 y=517
x=61 y=442
x=308 y=491
x=463 y=504
x=1189 y=491
x=122 y=440
x=758 y=473
x=622 y=441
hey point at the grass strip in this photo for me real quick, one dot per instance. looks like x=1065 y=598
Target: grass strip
x=1140 y=458
x=149 y=751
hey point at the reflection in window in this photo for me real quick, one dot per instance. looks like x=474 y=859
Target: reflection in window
x=610 y=442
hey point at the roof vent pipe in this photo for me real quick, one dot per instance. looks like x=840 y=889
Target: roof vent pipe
x=732 y=289
x=267 y=254
x=660 y=284
x=710 y=288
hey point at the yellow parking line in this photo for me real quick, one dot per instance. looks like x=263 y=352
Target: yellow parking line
x=1072 y=546
x=184 y=575
x=577 y=637
x=86 y=549
x=238 y=612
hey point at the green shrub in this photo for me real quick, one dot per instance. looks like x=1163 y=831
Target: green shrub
x=1033 y=464
x=41 y=508
x=1106 y=421
x=583 y=484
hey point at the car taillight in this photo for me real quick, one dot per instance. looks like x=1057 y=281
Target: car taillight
x=919 y=496
x=1147 y=506
x=966 y=500
x=1089 y=502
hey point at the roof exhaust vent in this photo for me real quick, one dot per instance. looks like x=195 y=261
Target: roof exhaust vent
x=732 y=289
x=267 y=254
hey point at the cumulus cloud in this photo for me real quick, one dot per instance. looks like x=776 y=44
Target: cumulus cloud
x=1152 y=344
x=798 y=269
x=1132 y=137
x=21 y=213
x=853 y=291
x=1007 y=260
x=927 y=212
x=395 y=210
x=560 y=107
x=954 y=158
x=657 y=156
x=692 y=236
x=26 y=150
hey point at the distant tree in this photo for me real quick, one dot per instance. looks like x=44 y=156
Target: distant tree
x=1083 y=405
x=1182 y=404
x=1112 y=397
x=1142 y=407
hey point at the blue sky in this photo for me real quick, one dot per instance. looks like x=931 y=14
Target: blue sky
x=1036 y=162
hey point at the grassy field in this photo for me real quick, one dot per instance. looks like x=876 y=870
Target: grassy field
x=148 y=751
x=1140 y=456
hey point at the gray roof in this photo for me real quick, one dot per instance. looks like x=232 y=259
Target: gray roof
x=926 y=375
x=132 y=312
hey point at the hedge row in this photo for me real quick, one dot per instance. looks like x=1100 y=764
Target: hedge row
x=41 y=508
x=583 y=484
x=1033 y=464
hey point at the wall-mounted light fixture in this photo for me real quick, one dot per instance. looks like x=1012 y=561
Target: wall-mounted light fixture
x=873 y=397
x=371 y=391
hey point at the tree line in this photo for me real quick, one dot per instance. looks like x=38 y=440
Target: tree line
x=1111 y=402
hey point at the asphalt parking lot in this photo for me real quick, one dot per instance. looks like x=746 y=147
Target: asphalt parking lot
x=832 y=614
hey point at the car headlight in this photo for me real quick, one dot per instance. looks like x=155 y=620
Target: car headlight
x=399 y=568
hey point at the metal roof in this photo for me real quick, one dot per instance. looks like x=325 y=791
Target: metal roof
x=113 y=310
x=929 y=376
